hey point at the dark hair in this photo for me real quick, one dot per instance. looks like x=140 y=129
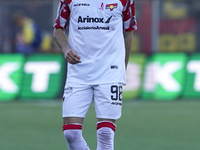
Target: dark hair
x=17 y=16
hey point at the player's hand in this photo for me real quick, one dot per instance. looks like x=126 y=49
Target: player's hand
x=72 y=57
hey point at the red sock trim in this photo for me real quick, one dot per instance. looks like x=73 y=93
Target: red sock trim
x=72 y=126
x=106 y=124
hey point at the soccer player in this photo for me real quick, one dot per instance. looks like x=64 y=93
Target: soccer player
x=97 y=51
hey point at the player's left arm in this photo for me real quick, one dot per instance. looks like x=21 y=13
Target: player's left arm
x=130 y=24
x=128 y=37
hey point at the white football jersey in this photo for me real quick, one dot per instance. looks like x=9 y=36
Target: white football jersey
x=96 y=34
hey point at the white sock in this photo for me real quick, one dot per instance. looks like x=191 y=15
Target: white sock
x=105 y=135
x=74 y=138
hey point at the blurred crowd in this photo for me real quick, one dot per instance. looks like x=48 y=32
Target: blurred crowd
x=29 y=38
x=26 y=26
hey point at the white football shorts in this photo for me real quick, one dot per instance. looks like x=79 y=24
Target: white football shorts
x=107 y=100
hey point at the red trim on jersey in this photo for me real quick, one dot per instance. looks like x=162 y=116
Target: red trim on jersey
x=64 y=12
x=68 y=1
x=123 y=2
x=72 y=126
x=130 y=15
x=106 y=124
x=126 y=13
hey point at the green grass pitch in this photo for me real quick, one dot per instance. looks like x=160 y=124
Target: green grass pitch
x=143 y=126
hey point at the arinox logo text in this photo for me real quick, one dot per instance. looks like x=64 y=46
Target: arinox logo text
x=90 y=20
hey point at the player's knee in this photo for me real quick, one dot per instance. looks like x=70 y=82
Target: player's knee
x=105 y=135
x=72 y=132
x=105 y=131
x=71 y=135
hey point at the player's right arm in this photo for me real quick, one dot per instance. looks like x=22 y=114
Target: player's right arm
x=60 y=24
x=70 y=55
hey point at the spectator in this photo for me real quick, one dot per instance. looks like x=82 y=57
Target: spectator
x=28 y=38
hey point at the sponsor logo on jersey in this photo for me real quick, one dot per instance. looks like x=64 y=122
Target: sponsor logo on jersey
x=114 y=67
x=111 y=6
x=116 y=103
x=93 y=28
x=68 y=90
x=90 y=20
x=93 y=20
x=101 y=8
x=108 y=21
x=82 y=4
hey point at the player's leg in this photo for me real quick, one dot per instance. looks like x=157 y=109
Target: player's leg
x=105 y=134
x=108 y=104
x=72 y=129
x=76 y=102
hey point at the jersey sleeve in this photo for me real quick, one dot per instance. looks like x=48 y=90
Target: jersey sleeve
x=129 y=17
x=63 y=14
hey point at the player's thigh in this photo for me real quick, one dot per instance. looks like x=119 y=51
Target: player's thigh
x=76 y=101
x=108 y=101
x=105 y=119
x=71 y=120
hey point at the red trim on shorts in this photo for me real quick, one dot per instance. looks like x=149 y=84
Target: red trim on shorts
x=106 y=124
x=72 y=126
